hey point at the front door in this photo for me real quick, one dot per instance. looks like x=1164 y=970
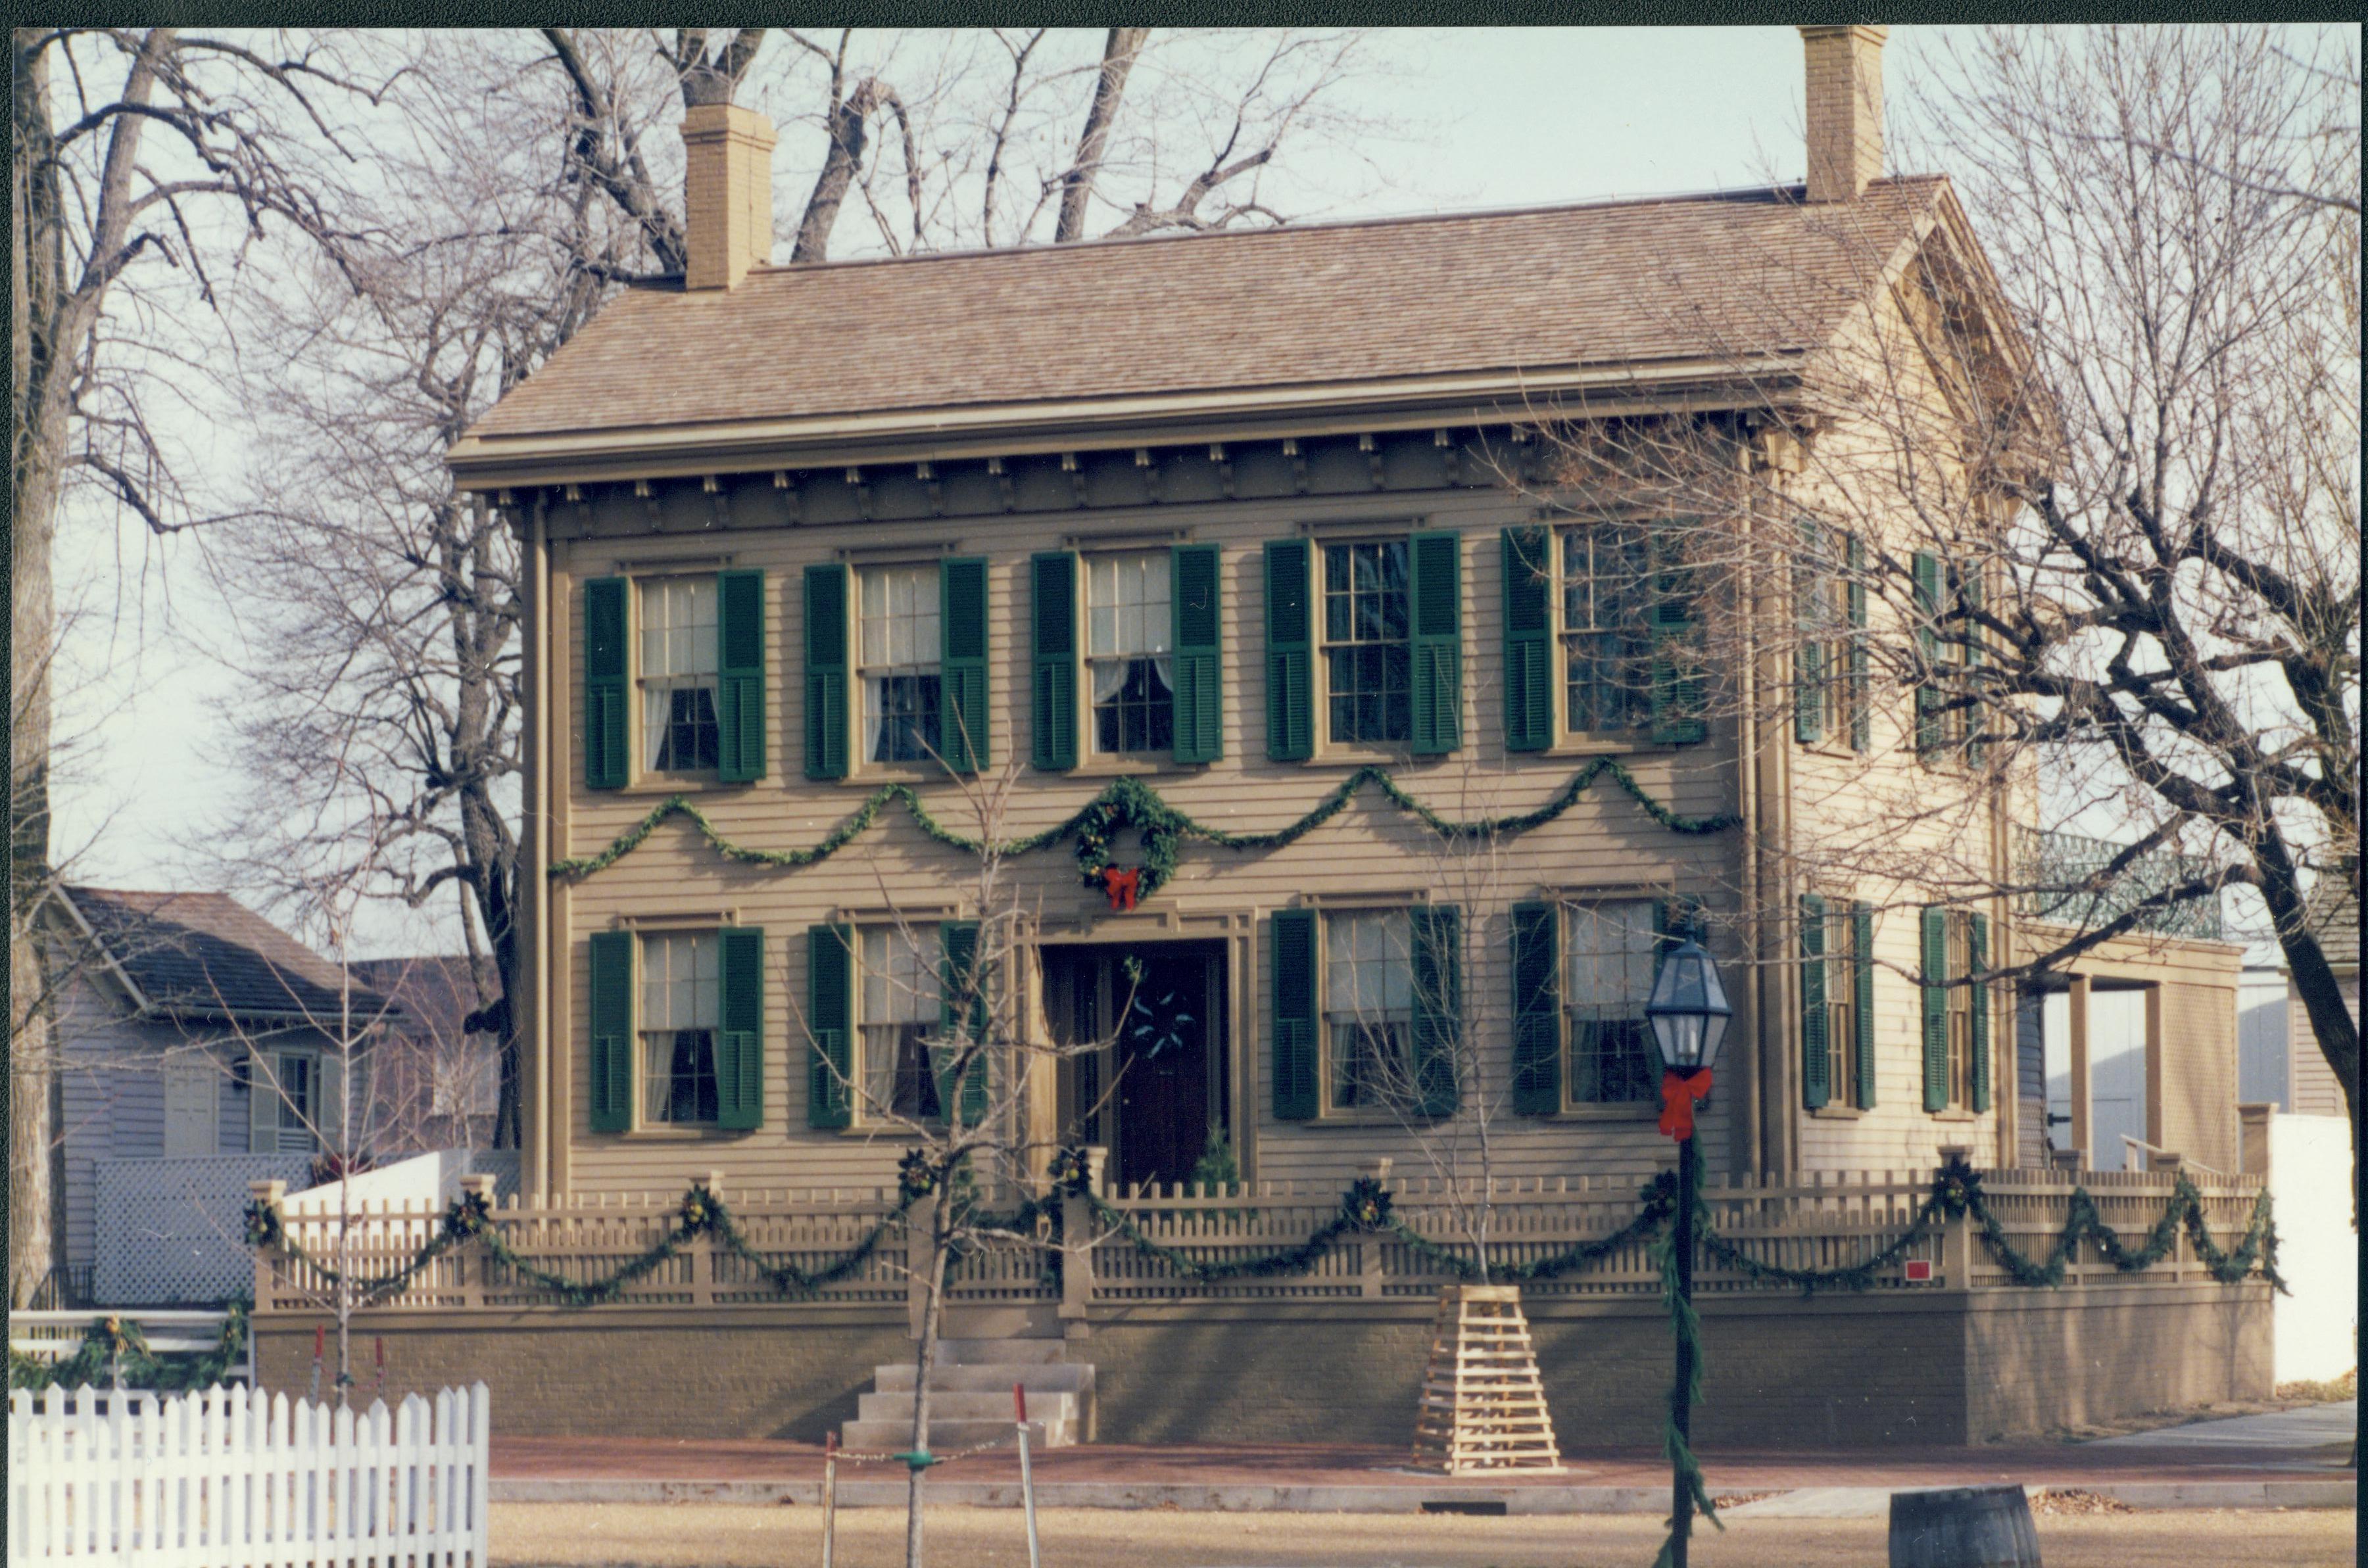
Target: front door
x=1152 y=1087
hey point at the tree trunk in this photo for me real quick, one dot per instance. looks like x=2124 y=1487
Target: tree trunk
x=924 y=1357
x=1117 y=59
x=35 y=272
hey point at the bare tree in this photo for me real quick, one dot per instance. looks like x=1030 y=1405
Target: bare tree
x=519 y=182
x=141 y=162
x=2063 y=535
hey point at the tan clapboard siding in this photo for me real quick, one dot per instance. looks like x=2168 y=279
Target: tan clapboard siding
x=1605 y=841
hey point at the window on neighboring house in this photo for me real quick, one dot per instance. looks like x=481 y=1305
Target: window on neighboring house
x=680 y=1004
x=899 y=1013
x=1129 y=621
x=284 y=1101
x=899 y=648
x=1368 y=664
x=1606 y=629
x=680 y=731
x=1608 y=952
x=1368 y=1006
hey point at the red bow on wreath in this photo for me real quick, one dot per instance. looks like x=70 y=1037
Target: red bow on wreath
x=1679 y=1092
x=1122 y=886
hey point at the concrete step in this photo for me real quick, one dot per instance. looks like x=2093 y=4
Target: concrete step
x=978 y=1352
x=945 y=1437
x=1047 y=1377
x=956 y=1406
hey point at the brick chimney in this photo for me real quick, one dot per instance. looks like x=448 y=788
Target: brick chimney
x=727 y=194
x=1845 y=109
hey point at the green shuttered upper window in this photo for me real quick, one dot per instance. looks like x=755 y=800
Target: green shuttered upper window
x=1130 y=624
x=1606 y=629
x=1368 y=659
x=678 y=661
x=899 y=646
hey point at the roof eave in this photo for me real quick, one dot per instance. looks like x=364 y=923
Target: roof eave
x=949 y=434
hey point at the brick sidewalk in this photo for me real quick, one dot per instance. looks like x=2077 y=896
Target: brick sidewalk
x=1730 y=1470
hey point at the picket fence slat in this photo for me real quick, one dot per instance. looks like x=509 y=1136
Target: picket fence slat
x=224 y=1478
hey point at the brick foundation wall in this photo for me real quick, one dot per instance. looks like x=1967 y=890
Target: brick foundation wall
x=1843 y=1370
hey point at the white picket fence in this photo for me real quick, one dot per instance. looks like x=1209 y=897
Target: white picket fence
x=222 y=1479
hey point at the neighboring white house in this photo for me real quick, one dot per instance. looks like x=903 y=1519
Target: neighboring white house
x=2310 y=1158
x=200 y=1049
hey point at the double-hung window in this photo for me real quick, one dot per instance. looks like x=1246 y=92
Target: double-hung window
x=1955 y=944
x=1368 y=1008
x=1607 y=589
x=1129 y=622
x=679 y=676
x=1608 y=950
x=898 y=669
x=681 y=986
x=898 y=1013
x=1961 y=1016
x=1367 y=661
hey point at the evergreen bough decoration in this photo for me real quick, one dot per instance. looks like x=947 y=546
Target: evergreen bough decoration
x=114 y=1350
x=1129 y=802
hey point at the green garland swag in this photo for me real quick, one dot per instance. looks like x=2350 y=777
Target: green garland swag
x=114 y=1350
x=1129 y=802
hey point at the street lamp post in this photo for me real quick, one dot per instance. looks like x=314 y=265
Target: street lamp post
x=1689 y=1012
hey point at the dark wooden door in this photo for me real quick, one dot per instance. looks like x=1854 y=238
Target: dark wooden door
x=1158 y=1087
x=1161 y=1062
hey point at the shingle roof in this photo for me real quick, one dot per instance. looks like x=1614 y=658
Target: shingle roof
x=207 y=953
x=2331 y=911
x=436 y=991
x=1616 y=283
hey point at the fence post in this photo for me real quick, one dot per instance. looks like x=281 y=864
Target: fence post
x=1369 y=1248
x=1077 y=1241
x=702 y=1248
x=472 y=1269
x=270 y=1195
x=1957 y=1251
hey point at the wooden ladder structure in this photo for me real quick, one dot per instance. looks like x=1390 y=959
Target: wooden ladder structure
x=1483 y=1407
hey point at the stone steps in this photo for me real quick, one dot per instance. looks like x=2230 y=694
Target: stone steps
x=969 y=1397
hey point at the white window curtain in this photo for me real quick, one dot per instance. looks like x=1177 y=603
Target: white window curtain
x=1609 y=973
x=900 y=1003
x=1129 y=617
x=898 y=635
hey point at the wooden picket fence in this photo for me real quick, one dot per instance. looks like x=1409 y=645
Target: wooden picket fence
x=225 y=1479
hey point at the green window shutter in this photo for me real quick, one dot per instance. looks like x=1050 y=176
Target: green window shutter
x=608 y=638
x=1438 y=647
x=1680 y=692
x=830 y=1024
x=1862 y=977
x=1928 y=610
x=1861 y=705
x=1977 y=959
x=1195 y=585
x=1529 y=640
x=610 y=1080
x=1295 y=1015
x=1936 y=1009
x=1437 y=1007
x=1052 y=715
x=827 y=688
x=962 y=664
x=740 y=1043
x=1815 y=1090
x=740 y=676
x=1809 y=654
x=1537 y=1010
x=1290 y=654
x=959 y=980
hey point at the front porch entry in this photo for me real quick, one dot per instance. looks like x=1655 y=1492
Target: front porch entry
x=1158 y=1085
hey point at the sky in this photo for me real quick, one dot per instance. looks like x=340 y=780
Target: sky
x=1503 y=117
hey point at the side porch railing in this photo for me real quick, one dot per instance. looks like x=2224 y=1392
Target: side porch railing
x=1116 y=1253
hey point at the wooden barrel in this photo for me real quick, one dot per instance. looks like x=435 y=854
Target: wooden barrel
x=1963 y=1527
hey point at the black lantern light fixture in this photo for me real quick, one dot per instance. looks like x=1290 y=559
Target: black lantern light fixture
x=1689 y=1009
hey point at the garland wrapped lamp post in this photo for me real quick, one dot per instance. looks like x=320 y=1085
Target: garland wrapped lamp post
x=1689 y=1012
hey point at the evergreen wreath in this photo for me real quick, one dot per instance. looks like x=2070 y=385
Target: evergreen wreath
x=114 y=1347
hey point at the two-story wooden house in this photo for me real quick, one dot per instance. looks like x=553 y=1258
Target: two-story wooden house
x=1230 y=515
x=1223 y=519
